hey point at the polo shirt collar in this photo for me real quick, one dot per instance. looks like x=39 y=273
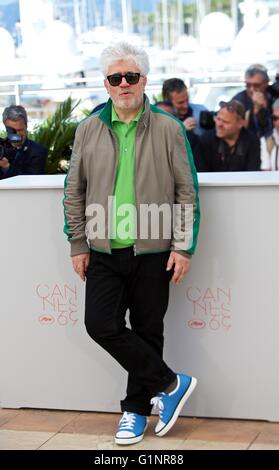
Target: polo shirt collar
x=115 y=118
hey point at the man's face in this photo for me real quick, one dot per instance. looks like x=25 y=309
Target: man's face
x=228 y=124
x=256 y=83
x=275 y=118
x=125 y=96
x=20 y=128
x=180 y=101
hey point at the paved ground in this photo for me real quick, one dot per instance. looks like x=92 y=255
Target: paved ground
x=49 y=429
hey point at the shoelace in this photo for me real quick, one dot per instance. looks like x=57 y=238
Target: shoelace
x=127 y=421
x=158 y=403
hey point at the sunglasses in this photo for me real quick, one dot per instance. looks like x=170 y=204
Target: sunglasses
x=275 y=118
x=254 y=85
x=131 y=77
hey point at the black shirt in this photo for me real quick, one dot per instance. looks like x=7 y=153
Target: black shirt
x=216 y=155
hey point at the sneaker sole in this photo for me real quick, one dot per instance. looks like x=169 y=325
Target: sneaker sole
x=179 y=407
x=129 y=440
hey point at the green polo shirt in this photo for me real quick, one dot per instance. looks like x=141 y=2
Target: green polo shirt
x=123 y=225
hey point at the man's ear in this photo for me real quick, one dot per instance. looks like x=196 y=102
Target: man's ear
x=241 y=123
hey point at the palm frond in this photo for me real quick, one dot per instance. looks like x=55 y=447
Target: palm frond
x=57 y=134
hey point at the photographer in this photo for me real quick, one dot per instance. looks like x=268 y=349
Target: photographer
x=229 y=147
x=175 y=91
x=257 y=101
x=18 y=154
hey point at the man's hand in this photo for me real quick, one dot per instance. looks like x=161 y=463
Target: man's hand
x=259 y=101
x=80 y=264
x=4 y=163
x=190 y=123
x=181 y=266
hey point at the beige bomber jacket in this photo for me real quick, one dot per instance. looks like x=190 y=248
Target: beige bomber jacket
x=164 y=174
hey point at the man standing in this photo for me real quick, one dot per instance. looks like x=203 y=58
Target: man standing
x=20 y=155
x=130 y=155
x=229 y=147
x=257 y=101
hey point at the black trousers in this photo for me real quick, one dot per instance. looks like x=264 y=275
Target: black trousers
x=122 y=281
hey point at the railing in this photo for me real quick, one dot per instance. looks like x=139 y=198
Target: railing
x=40 y=99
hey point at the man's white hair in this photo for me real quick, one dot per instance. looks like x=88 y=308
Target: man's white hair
x=124 y=51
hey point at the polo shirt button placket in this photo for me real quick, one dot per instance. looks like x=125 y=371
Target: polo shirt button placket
x=125 y=149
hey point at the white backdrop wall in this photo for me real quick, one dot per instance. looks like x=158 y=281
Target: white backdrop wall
x=222 y=323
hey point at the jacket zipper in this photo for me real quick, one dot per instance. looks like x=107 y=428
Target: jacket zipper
x=114 y=179
x=135 y=165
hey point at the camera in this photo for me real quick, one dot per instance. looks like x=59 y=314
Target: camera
x=207 y=119
x=274 y=88
x=6 y=148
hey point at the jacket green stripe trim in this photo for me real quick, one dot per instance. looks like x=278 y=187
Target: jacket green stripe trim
x=196 y=214
x=105 y=114
x=66 y=226
x=196 y=225
x=101 y=251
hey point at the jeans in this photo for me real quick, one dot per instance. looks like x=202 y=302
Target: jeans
x=122 y=281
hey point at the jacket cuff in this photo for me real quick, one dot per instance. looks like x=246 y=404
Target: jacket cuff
x=79 y=247
x=183 y=253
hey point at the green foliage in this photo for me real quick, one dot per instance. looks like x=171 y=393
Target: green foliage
x=57 y=134
x=221 y=5
x=156 y=98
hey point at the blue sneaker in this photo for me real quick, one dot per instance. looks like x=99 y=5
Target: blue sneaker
x=131 y=428
x=170 y=404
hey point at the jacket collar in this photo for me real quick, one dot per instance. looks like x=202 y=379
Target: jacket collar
x=105 y=114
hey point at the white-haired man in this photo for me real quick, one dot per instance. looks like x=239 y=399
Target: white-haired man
x=129 y=155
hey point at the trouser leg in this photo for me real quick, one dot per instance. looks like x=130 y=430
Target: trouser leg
x=148 y=294
x=108 y=294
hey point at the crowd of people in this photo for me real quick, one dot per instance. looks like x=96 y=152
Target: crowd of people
x=244 y=135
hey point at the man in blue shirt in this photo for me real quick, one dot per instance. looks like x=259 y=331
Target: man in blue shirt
x=176 y=92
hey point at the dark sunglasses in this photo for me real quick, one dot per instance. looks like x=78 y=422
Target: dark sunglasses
x=131 y=77
x=275 y=118
x=254 y=85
